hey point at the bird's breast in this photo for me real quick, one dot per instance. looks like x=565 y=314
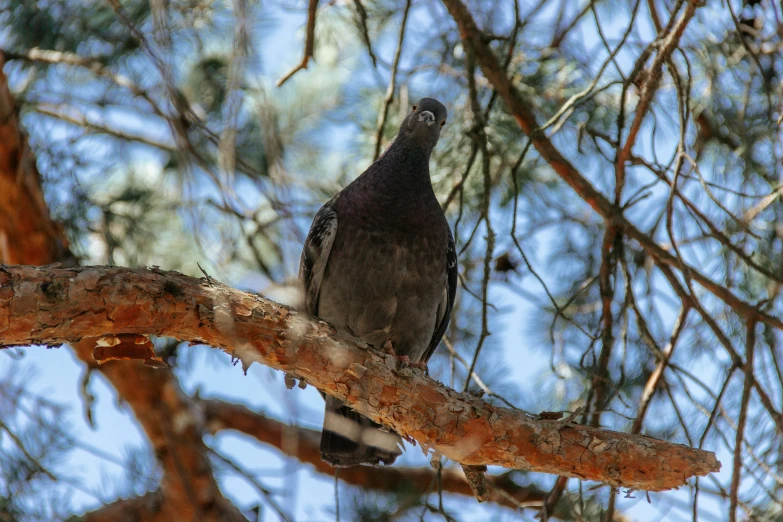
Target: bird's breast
x=385 y=283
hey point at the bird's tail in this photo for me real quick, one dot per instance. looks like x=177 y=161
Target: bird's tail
x=350 y=439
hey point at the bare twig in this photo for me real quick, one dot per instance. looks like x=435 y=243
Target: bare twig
x=743 y=415
x=247 y=475
x=480 y=136
x=309 y=46
x=19 y=444
x=362 y=12
x=392 y=83
x=648 y=89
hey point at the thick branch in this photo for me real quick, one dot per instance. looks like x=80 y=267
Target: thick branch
x=54 y=305
x=151 y=507
x=27 y=233
x=146 y=507
x=175 y=432
x=520 y=109
x=304 y=445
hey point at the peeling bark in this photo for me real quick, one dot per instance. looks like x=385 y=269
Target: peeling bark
x=29 y=235
x=174 y=426
x=55 y=305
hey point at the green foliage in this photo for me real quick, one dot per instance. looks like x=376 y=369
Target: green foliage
x=188 y=152
x=206 y=83
x=89 y=27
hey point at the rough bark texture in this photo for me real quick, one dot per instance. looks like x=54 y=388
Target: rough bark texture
x=55 y=305
x=304 y=445
x=29 y=235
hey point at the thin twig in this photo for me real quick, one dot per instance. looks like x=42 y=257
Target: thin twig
x=609 y=253
x=655 y=376
x=743 y=415
x=19 y=444
x=362 y=12
x=392 y=83
x=247 y=475
x=309 y=46
x=481 y=137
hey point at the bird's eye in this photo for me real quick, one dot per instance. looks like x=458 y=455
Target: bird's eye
x=443 y=123
x=414 y=107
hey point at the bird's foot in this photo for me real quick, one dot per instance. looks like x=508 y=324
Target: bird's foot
x=403 y=360
x=421 y=365
x=388 y=348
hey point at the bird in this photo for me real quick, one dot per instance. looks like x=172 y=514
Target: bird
x=379 y=262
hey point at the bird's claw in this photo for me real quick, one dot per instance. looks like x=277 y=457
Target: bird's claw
x=421 y=365
x=388 y=348
x=403 y=360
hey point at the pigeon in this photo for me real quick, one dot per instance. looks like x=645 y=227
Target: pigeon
x=379 y=262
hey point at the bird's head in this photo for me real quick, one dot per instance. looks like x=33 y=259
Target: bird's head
x=422 y=125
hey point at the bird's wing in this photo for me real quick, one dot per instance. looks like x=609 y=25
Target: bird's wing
x=315 y=255
x=449 y=293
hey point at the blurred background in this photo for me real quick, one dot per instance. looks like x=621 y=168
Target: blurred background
x=175 y=132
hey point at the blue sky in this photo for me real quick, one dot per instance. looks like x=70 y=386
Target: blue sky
x=57 y=372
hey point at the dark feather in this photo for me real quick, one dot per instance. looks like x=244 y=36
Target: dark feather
x=451 y=291
x=388 y=273
x=315 y=255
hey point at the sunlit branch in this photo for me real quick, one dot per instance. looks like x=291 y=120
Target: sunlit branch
x=53 y=306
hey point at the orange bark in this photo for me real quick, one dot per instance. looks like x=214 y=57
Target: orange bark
x=27 y=233
x=188 y=490
x=54 y=305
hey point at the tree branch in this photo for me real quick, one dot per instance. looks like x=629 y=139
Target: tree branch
x=146 y=507
x=309 y=46
x=175 y=432
x=520 y=109
x=188 y=488
x=669 y=43
x=304 y=445
x=54 y=305
x=27 y=232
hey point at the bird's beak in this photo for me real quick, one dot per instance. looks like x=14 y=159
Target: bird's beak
x=427 y=116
